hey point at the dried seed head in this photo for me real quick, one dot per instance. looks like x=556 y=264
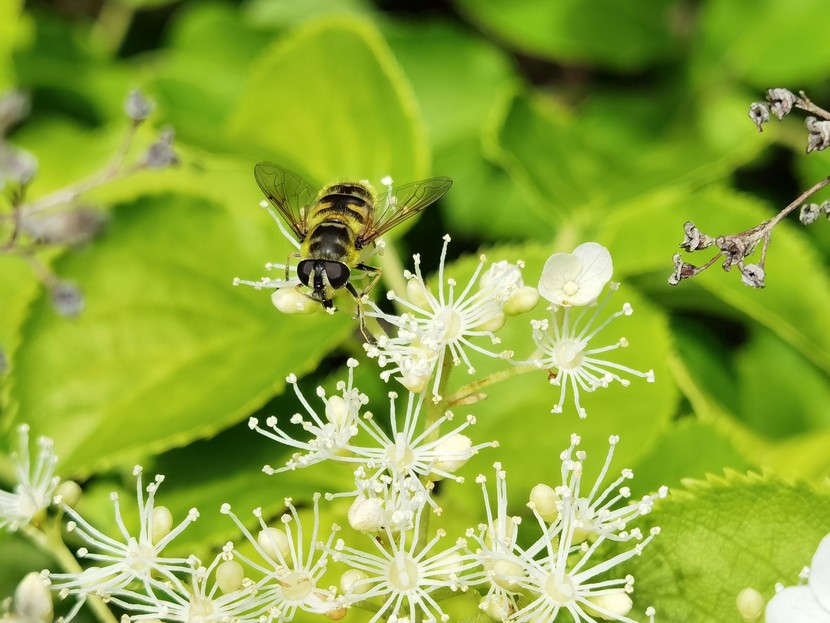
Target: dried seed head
x=16 y=165
x=14 y=106
x=695 y=239
x=67 y=299
x=161 y=153
x=759 y=113
x=734 y=250
x=809 y=213
x=72 y=227
x=138 y=107
x=682 y=270
x=819 y=138
x=752 y=275
x=781 y=101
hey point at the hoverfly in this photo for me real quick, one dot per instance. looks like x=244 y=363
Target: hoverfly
x=335 y=226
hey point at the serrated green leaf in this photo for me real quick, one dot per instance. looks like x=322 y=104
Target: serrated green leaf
x=330 y=100
x=799 y=56
x=605 y=33
x=721 y=536
x=166 y=350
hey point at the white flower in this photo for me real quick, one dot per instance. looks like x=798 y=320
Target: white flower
x=496 y=553
x=331 y=433
x=290 y=567
x=36 y=482
x=404 y=573
x=201 y=600
x=598 y=514
x=436 y=327
x=408 y=453
x=558 y=571
x=286 y=297
x=405 y=454
x=119 y=563
x=576 y=278
x=564 y=344
x=808 y=603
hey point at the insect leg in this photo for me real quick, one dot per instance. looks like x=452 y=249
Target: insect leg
x=294 y=255
x=361 y=318
x=375 y=272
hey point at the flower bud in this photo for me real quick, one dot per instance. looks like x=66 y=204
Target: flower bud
x=337 y=411
x=274 y=543
x=545 y=499
x=750 y=604
x=494 y=323
x=416 y=294
x=162 y=523
x=454 y=452
x=450 y=565
x=229 y=576
x=366 y=514
x=496 y=606
x=291 y=301
x=521 y=301
x=610 y=606
x=337 y=613
x=507 y=573
x=69 y=492
x=32 y=600
x=349 y=580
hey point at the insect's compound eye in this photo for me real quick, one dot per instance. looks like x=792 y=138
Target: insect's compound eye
x=337 y=274
x=304 y=270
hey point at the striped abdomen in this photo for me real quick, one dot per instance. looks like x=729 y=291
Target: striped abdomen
x=340 y=215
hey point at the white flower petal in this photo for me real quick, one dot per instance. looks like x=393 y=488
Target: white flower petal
x=597 y=269
x=559 y=270
x=796 y=604
x=820 y=574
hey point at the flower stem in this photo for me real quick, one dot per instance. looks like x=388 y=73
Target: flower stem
x=464 y=394
x=49 y=539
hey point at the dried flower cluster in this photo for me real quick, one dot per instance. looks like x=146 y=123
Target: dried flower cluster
x=61 y=218
x=736 y=249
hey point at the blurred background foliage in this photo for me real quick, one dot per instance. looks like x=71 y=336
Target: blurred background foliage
x=559 y=122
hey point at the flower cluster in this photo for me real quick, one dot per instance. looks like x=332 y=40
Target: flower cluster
x=572 y=282
x=555 y=573
x=434 y=329
x=57 y=219
x=386 y=558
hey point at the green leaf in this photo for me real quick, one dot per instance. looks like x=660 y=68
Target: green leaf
x=602 y=32
x=688 y=449
x=166 y=350
x=776 y=44
x=585 y=168
x=14 y=30
x=723 y=535
x=266 y=13
x=769 y=370
x=330 y=100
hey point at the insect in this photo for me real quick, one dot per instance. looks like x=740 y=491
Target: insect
x=336 y=227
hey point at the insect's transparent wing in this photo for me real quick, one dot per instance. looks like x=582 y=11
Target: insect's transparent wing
x=288 y=193
x=404 y=202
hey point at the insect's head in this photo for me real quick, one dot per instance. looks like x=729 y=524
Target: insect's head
x=323 y=277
